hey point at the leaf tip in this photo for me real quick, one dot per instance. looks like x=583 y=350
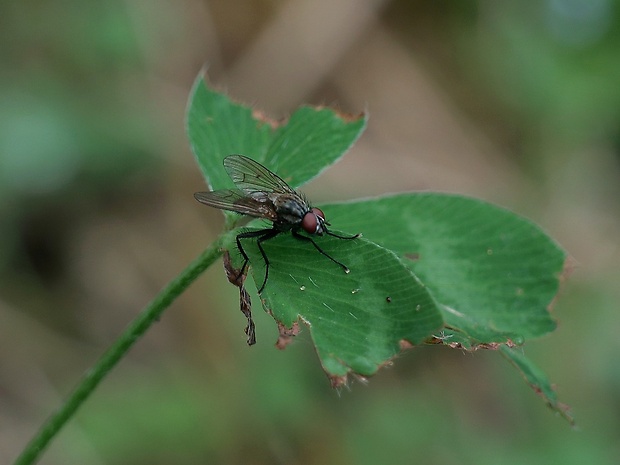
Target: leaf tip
x=338 y=381
x=560 y=408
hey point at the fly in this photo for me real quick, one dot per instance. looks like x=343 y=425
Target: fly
x=263 y=194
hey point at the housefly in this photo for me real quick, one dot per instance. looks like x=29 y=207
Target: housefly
x=263 y=194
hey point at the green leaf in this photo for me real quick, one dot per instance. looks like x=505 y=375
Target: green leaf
x=310 y=141
x=494 y=272
x=431 y=267
x=358 y=320
x=297 y=150
x=218 y=127
x=537 y=380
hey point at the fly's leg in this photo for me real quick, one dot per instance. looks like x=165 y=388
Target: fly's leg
x=316 y=246
x=246 y=259
x=268 y=235
x=262 y=235
x=343 y=237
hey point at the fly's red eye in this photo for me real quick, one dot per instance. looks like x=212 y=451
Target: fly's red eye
x=310 y=223
x=318 y=212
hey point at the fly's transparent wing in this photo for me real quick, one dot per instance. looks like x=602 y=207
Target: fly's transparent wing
x=237 y=201
x=254 y=179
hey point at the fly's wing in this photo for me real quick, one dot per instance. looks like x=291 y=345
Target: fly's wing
x=254 y=179
x=236 y=201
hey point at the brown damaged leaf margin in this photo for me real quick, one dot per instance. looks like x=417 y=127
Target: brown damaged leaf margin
x=442 y=339
x=257 y=114
x=567 y=269
x=343 y=380
x=474 y=347
x=263 y=118
x=285 y=338
x=347 y=117
x=237 y=277
x=286 y=334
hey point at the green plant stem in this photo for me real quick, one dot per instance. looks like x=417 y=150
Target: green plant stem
x=91 y=379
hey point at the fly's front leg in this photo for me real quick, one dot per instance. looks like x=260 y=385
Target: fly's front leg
x=348 y=238
x=316 y=246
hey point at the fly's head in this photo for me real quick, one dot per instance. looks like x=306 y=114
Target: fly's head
x=314 y=222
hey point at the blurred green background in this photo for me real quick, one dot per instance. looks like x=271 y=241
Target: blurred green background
x=517 y=103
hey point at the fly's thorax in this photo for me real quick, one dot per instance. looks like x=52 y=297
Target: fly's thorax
x=289 y=208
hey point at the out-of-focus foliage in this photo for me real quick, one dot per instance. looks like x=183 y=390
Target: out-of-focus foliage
x=514 y=102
